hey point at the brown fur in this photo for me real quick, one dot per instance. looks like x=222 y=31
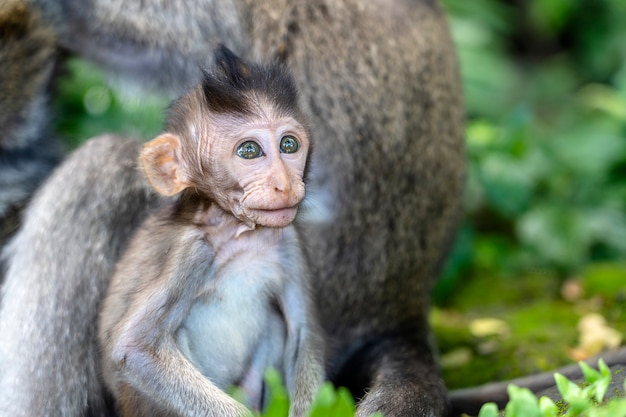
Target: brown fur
x=28 y=152
x=380 y=82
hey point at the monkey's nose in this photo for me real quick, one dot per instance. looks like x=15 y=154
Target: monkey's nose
x=281 y=183
x=281 y=188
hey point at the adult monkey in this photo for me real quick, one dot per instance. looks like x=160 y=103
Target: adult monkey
x=381 y=85
x=28 y=150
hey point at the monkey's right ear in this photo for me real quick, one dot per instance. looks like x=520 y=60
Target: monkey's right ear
x=161 y=162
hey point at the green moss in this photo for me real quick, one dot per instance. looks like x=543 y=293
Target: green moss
x=488 y=291
x=538 y=338
x=542 y=327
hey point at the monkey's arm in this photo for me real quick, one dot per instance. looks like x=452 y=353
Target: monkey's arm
x=140 y=347
x=304 y=355
x=58 y=267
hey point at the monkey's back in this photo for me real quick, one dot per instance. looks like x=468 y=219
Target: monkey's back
x=387 y=171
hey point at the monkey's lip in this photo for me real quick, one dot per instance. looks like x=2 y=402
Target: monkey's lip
x=278 y=217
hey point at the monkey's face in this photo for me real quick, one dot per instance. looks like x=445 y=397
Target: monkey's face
x=263 y=164
x=251 y=166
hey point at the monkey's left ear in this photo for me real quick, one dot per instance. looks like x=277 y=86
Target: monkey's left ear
x=161 y=162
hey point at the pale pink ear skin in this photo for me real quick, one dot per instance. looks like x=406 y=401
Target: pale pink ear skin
x=161 y=163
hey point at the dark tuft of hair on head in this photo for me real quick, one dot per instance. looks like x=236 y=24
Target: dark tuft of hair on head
x=233 y=82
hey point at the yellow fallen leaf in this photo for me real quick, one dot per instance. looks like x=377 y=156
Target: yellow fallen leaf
x=488 y=327
x=456 y=358
x=595 y=336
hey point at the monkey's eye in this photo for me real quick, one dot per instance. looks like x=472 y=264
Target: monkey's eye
x=289 y=144
x=249 y=150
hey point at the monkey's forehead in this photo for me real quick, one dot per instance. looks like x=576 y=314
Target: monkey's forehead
x=238 y=124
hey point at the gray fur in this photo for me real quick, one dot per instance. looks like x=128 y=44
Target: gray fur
x=201 y=301
x=49 y=364
x=380 y=82
x=184 y=311
x=28 y=151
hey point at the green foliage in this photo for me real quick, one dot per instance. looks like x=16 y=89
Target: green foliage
x=279 y=401
x=335 y=403
x=545 y=86
x=330 y=402
x=588 y=400
x=86 y=106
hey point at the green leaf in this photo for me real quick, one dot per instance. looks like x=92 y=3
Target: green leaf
x=279 y=400
x=488 y=410
x=615 y=409
x=333 y=403
x=599 y=380
x=324 y=400
x=522 y=403
x=578 y=405
x=344 y=405
x=604 y=369
x=569 y=390
x=591 y=375
x=547 y=407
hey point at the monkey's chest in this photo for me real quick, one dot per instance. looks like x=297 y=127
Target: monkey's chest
x=234 y=331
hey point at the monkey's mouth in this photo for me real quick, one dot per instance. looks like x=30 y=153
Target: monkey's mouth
x=273 y=217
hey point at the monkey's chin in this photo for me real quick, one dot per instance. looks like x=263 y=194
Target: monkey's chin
x=273 y=218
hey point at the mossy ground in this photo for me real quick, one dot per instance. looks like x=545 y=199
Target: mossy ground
x=535 y=328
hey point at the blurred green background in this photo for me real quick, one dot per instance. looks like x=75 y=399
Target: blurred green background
x=545 y=85
x=545 y=90
x=543 y=245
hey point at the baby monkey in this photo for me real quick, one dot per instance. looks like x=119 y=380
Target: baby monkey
x=212 y=290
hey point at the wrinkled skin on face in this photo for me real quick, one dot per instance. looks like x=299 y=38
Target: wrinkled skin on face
x=252 y=167
x=265 y=163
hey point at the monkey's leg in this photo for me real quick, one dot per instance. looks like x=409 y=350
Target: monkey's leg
x=397 y=377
